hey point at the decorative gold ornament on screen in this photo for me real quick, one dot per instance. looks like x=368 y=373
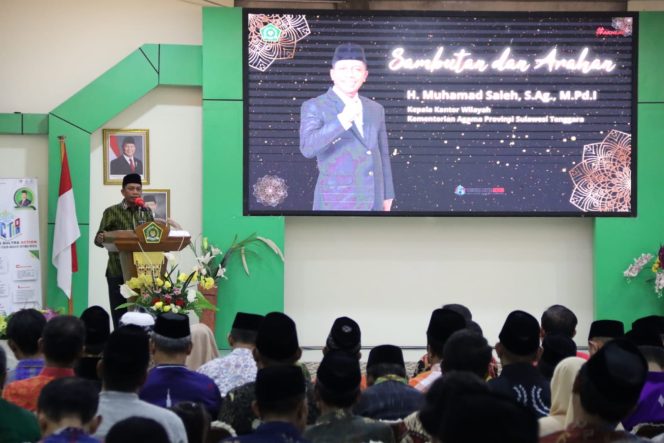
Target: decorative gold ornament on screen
x=274 y=37
x=603 y=179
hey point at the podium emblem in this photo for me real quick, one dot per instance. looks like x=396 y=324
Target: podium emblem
x=153 y=233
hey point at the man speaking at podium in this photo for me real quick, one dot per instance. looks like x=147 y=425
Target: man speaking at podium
x=125 y=215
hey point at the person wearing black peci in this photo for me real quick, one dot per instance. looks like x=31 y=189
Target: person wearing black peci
x=124 y=215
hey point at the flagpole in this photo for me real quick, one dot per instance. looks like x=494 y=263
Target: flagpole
x=70 y=299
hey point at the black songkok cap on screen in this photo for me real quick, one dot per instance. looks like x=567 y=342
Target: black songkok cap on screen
x=275 y=383
x=277 y=337
x=172 y=325
x=247 y=321
x=349 y=51
x=339 y=372
x=443 y=323
x=521 y=333
x=606 y=328
x=385 y=354
x=97 y=328
x=617 y=371
x=345 y=335
x=131 y=178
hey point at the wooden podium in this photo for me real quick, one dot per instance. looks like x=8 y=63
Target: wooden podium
x=142 y=250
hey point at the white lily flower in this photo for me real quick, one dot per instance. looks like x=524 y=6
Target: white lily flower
x=215 y=251
x=205 y=259
x=220 y=272
x=191 y=295
x=127 y=292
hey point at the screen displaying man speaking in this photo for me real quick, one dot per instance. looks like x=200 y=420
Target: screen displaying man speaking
x=346 y=133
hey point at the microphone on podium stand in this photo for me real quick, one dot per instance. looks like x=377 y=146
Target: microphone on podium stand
x=140 y=203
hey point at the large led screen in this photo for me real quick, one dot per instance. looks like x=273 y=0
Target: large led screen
x=439 y=114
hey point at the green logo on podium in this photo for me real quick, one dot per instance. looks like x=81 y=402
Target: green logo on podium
x=153 y=233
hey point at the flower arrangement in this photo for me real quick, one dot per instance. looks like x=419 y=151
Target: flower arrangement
x=641 y=262
x=181 y=293
x=212 y=262
x=174 y=292
x=4 y=319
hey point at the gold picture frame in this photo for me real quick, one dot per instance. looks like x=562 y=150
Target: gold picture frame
x=159 y=202
x=121 y=159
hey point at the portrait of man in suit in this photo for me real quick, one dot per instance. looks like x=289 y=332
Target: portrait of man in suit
x=127 y=162
x=25 y=200
x=346 y=134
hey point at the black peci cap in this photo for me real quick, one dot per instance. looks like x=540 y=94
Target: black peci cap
x=521 y=333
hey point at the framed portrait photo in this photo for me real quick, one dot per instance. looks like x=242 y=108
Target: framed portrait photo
x=159 y=202
x=126 y=151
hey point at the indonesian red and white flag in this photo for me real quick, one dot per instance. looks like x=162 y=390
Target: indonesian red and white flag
x=66 y=228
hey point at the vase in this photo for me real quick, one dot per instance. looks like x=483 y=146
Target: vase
x=208 y=316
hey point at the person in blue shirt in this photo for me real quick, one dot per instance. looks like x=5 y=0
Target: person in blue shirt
x=170 y=382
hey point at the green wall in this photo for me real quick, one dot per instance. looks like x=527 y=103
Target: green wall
x=617 y=241
x=222 y=174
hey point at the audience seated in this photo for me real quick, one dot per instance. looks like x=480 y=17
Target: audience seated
x=443 y=323
x=276 y=345
x=67 y=411
x=337 y=390
x=561 y=395
x=555 y=348
x=23 y=332
x=608 y=387
x=17 y=425
x=424 y=364
x=169 y=381
x=123 y=369
x=465 y=350
x=196 y=420
x=588 y=399
x=137 y=430
x=280 y=404
x=518 y=349
x=238 y=367
x=388 y=396
x=419 y=426
x=480 y=417
x=97 y=329
x=62 y=344
x=649 y=407
x=204 y=347
x=603 y=331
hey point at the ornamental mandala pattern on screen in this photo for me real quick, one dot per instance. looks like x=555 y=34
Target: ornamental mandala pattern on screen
x=274 y=37
x=603 y=179
x=270 y=190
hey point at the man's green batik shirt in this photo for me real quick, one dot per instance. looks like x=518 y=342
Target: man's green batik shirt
x=119 y=217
